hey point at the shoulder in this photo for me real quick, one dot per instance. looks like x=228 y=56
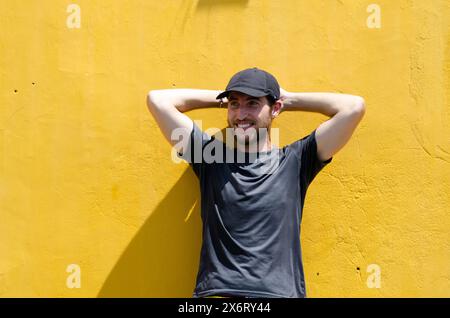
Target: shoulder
x=298 y=147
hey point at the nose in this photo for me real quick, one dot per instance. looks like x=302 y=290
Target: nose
x=241 y=113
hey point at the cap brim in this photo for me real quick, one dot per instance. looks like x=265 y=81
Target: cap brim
x=245 y=90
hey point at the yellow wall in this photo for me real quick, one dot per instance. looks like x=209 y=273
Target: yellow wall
x=86 y=176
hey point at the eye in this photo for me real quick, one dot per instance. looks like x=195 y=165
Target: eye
x=233 y=104
x=253 y=103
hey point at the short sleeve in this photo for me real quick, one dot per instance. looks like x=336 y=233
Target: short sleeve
x=310 y=164
x=194 y=150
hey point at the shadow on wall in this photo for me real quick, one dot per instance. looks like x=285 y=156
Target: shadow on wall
x=205 y=4
x=162 y=259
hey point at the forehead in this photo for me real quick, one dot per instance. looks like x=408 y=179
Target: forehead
x=239 y=95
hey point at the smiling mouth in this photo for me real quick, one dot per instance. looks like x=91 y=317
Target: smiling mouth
x=244 y=126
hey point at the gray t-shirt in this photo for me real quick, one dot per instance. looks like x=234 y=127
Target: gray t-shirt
x=251 y=213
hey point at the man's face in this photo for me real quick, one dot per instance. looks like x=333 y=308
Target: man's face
x=246 y=115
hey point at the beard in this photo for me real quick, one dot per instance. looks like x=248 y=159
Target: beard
x=253 y=137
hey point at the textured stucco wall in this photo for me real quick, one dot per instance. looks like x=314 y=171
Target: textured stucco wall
x=86 y=176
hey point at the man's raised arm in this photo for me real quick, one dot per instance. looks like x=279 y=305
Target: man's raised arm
x=168 y=105
x=346 y=111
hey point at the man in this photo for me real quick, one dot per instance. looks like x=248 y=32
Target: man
x=251 y=216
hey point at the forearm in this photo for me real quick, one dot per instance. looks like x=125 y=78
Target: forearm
x=185 y=99
x=328 y=104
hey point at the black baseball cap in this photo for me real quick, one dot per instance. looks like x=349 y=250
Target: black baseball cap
x=254 y=82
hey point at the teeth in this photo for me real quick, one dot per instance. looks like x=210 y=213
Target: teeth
x=244 y=125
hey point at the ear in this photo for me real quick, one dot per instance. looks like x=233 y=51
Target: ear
x=276 y=108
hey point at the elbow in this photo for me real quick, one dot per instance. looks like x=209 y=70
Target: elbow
x=158 y=101
x=359 y=106
x=152 y=99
